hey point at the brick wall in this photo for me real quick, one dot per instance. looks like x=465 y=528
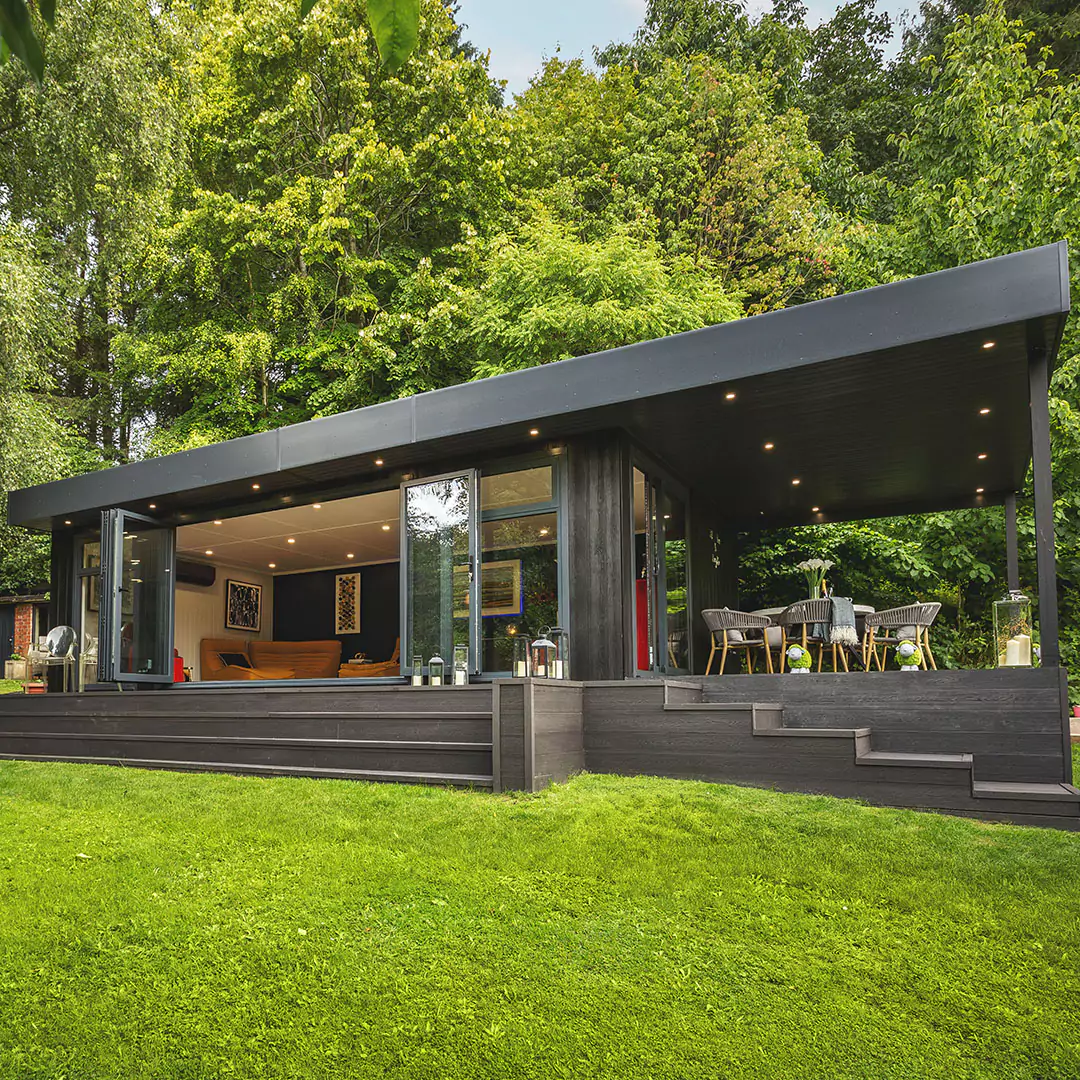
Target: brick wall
x=24 y=628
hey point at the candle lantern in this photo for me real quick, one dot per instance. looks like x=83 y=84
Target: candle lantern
x=520 y=667
x=562 y=652
x=1012 y=630
x=418 y=671
x=436 y=669
x=461 y=665
x=542 y=655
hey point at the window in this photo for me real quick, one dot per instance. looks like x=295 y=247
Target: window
x=519 y=560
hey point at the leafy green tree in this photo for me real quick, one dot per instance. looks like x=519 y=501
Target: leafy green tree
x=694 y=152
x=549 y=295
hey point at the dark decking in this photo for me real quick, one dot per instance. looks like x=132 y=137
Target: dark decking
x=987 y=744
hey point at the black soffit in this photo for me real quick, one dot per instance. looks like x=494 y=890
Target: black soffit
x=871 y=400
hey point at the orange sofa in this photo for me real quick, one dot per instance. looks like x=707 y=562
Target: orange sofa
x=269 y=659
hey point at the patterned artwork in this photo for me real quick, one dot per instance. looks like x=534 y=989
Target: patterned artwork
x=347 y=604
x=243 y=606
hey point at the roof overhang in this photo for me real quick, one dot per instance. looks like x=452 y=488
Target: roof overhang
x=871 y=400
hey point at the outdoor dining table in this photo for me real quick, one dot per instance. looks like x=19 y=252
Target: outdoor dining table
x=773 y=633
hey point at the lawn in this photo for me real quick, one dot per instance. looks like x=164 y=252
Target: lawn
x=159 y=925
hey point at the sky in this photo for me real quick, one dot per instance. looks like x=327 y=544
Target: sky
x=523 y=33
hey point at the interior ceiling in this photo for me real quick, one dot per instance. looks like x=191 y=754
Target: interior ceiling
x=364 y=529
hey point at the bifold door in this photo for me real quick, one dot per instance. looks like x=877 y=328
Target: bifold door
x=136 y=612
x=439 y=560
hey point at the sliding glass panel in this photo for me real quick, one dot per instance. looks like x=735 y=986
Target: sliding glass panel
x=677 y=631
x=517 y=488
x=438 y=561
x=136 y=599
x=519 y=584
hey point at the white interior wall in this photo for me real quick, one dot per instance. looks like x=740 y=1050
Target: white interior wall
x=200 y=613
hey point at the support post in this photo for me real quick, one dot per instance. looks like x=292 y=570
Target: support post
x=1012 y=557
x=1039 y=384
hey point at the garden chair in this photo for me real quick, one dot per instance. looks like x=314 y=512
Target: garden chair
x=812 y=616
x=730 y=629
x=909 y=623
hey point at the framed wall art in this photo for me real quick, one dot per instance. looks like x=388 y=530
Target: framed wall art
x=347 y=604
x=243 y=606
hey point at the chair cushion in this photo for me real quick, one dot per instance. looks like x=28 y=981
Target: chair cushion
x=733 y=636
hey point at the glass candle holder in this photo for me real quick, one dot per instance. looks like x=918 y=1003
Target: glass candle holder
x=520 y=665
x=561 y=663
x=542 y=656
x=418 y=671
x=436 y=671
x=1012 y=630
x=461 y=665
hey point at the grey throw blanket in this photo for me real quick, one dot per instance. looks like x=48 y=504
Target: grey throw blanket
x=842 y=624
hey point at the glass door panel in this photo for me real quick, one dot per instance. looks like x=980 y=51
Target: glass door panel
x=645 y=572
x=672 y=527
x=439 y=559
x=136 y=599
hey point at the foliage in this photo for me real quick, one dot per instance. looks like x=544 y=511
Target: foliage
x=550 y=295
x=609 y=927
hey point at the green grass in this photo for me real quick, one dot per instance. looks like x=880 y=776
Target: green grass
x=157 y=925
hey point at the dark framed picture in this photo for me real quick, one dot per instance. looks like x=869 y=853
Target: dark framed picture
x=243 y=606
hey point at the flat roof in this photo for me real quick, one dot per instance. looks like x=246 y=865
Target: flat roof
x=872 y=400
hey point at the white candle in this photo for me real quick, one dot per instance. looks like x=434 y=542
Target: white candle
x=557 y=669
x=519 y=670
x=1024 y=642
x=1012 y=653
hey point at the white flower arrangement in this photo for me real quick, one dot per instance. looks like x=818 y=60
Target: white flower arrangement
x=815 y=571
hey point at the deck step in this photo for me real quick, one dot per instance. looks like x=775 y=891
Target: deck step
x=814 y=732
x=253 y=740
x=904 y=757
x=378 y=775
x=1008 y=789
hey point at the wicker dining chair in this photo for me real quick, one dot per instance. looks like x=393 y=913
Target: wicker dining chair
x=918 y=617
x=809 y=614
x=732 y=628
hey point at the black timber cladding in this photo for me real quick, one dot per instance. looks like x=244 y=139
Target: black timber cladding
x=923 y=335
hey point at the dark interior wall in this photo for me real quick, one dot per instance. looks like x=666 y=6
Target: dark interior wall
x=304 y=609
x=714 y=572
x=598 y=531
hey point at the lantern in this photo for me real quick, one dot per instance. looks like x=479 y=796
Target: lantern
x=521 y=657
x=1012 y=630
x=436 y=668
x=418 y=671
x=542 y=655
x=562 y=652
x=461 y=665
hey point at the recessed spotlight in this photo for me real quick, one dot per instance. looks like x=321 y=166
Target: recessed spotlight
x=209 y=552
x=386 y=528
x=291 y=540
x=378 y=461
x=255 y=487
x=814 y=509
x=534 y=431
x=979 y=491
x=667 y=517
x=67 y=522
x=543 y=532
x=989 y=344
x=273 y=565
x=153 y=506
x=982 y=457
x=984 y=412
x=286 y=498
x=730 y=395
x=218 y=523
x=316 y=506
x=796 y=481
x=770 y=446
x=350 y=555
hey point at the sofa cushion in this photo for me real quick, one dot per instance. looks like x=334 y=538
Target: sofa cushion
x=308 y=659
x=234 y=659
